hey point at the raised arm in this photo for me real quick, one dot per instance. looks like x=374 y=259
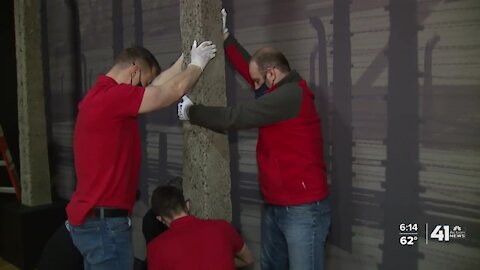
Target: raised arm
x=236 y=54
x=175 y=69
x=161 y=95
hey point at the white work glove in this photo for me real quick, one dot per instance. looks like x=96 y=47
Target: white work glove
x=183 y=107
x=224 y=20
x=202 y=54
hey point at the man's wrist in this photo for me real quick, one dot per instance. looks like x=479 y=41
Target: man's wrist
x=195 y=65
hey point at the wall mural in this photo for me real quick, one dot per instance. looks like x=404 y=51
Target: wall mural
x=397 y=88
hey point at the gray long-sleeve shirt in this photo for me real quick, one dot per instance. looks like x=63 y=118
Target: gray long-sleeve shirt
x=282 y=103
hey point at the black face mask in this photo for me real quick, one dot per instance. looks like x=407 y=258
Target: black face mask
x=261 y=90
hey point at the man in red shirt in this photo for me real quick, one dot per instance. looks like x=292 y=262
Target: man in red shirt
x=106 y=144
x=191 y=243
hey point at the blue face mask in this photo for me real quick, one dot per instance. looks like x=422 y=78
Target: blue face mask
x=261 y=90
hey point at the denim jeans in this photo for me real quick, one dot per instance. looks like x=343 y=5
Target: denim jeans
x=293 y=237
x=106 y=244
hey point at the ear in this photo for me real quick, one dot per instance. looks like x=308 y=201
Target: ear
x=133 y=68
x=274 y=74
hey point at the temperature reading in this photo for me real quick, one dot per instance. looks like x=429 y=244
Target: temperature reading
x=408 y=233
x=408 y=240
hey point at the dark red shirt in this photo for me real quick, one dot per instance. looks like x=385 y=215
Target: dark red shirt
x=106 y=147
x=191 y=243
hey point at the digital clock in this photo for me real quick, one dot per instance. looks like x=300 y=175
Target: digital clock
x=408 y=227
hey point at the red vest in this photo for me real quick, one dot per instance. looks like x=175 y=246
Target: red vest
x=290 y=157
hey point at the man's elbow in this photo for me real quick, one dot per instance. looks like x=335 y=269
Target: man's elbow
x=246 y=256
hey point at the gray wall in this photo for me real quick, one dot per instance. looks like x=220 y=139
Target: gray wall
x=447 y=175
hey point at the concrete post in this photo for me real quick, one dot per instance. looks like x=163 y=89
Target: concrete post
x=34 y=169
x=206 y=169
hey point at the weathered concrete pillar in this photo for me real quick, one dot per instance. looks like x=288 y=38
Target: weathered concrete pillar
x=206 y=169
x=34 y=169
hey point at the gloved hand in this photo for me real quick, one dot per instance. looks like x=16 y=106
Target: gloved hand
x=224 y=20
x=202 y=54
x=183 y=107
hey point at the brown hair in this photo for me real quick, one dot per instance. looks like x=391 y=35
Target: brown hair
x=269 y=57
x=138 y=55
x=168 y=201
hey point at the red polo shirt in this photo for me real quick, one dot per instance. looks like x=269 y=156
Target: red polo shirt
x=191 y=243
x=106 y=148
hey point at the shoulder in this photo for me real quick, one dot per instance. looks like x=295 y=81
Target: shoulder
x=127 y=88
x=221 y=225
x=290 y=92
x=217 y=223
x=161 y=239
x=157 y=241
x=220 y=222
x=290 y=86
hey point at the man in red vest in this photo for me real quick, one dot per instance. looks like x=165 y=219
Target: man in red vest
x=291 y=168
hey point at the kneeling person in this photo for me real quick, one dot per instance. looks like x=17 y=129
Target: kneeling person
x=193 y=243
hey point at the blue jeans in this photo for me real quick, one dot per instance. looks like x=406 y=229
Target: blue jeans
x=106 y=244
x=293 y=237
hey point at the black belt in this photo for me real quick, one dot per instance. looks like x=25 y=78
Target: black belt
x=103 y=212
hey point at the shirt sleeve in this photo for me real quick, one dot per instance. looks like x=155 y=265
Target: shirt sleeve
x=238 y=57
x=150 y=262
x=235 y=238
x=282 y=104
x=124 y=100
x=152 y=259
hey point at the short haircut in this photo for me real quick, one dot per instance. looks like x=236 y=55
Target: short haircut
x=269 y=57
x=138 y=55
x=168 y=201
x=176 y=181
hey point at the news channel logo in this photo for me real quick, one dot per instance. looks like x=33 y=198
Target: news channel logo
x=409 y=233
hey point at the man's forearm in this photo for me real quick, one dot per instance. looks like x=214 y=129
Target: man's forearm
x=282 y=104
x=175 y=69
x=178 y=85
x=157 y=97
x=188 y=77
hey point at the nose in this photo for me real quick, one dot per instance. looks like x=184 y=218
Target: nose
x=257 y=85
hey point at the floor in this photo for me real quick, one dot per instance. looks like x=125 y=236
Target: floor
x=4 y=265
